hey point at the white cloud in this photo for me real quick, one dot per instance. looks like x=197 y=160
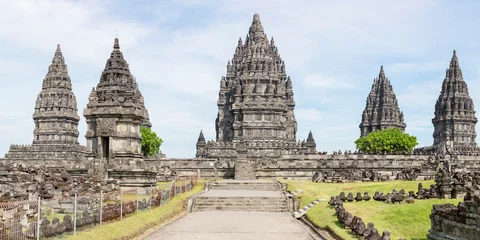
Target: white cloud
x=421 y=95
x=322 y=81
x=417 y=66
x=179 y=50
x=307 y=114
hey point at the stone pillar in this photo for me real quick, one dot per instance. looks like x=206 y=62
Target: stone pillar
x=244 y=169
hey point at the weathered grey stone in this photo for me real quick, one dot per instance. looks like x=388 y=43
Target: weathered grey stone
x=381 y=110
x=115 y=112
x=454 y=122
x=255 y=103
x=56 y=119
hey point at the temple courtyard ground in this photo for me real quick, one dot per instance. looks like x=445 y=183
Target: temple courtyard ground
x=233 y=225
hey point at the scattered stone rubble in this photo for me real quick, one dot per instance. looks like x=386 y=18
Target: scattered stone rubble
x=355 y=223
x=460 y=222
x=19 y=182
x=349 y=175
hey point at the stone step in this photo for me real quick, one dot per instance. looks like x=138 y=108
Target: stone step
x=236 y=208
x=239 y=199
x=258 y=204
x=245 y=187
x=241 y=204
x=238 y=202
x=252 y=185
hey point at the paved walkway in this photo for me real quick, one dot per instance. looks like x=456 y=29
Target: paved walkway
x=222 y=225
x=234 y=225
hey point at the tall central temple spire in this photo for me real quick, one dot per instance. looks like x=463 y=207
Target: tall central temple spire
x=454 y=119
x=255 y=104
x=381 y=110
x=256 y=96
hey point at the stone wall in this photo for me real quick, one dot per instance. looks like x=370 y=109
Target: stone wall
x=461 y=222
x=287 y=166
x=62 y=152
x=305 y=166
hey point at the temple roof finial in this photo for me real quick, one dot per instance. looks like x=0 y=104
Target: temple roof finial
x=454 y=61
x=201 y=138
x=116 y=44
x=382 y=73
x=256 y=30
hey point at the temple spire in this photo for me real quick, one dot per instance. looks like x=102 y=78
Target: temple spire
x=381 y=110
x=201 y=138
x=201 y=144
x=310 y=144
x=116 y=102
x=56 y=99
x=256 y=31
x=256 y=77
x=454 y=119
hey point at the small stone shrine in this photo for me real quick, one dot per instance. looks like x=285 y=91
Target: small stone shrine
x=115 y=112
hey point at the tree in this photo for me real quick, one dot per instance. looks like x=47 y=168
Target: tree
x=390 y=141
x=150 y=142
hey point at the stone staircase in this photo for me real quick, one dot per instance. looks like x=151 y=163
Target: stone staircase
x=245 y=185
x=250 y=196
x=249 y=204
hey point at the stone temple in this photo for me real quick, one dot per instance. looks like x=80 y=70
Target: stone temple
x=56 y=119
x=381 y=110
x=256 y=129
x=454 y=120
x=115 y=112
x=255 y=102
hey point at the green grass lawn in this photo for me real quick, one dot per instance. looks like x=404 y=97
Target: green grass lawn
x=139 y=223
x=410 y=221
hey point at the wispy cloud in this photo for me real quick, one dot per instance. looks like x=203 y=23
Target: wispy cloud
x=178 y=51
x=308 y=114
x=322 y=81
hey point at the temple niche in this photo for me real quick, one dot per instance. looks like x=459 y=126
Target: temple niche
x=381 y=110
x=256 y=101
x=114 y=114
x=454 y=122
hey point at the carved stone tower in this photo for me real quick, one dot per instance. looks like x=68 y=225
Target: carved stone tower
x=56 y=118
x=454 y=121
x=114 y=114
x=310 y=144
x=381 y=110
x=256 y=97
x=55 y=137
x=201 y=144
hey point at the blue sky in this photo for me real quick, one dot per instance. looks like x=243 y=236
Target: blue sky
x=178 y=51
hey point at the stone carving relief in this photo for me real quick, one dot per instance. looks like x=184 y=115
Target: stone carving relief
x=106 y=127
